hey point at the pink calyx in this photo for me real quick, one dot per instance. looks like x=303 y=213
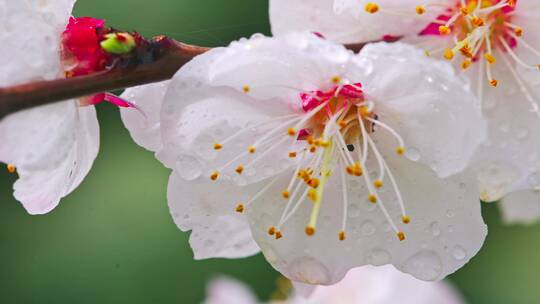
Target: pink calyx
x=311 y=100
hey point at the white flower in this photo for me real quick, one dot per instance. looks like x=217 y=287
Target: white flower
x=262 y=127
x=53 y=146
x=497 y=44
x=363 y=285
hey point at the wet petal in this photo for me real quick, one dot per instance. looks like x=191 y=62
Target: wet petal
x=144 y=124
x=53 y=148
x=445 y=231
x=217 y=230
x=347 y=21
x=426 y=102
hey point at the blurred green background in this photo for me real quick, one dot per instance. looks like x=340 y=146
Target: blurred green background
x=113 y=241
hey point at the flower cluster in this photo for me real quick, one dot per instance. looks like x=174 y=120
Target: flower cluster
x=294 y=146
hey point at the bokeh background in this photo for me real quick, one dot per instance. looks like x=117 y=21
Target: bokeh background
x=113 y=241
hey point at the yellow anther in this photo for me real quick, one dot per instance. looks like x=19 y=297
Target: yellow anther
x=272 y=230
x=291 y=131
x=292 y=154
x=218 y=146
x=378 y=183
x=11 y=168
x=490 y=58
x=310 y=230
x=285 y=194
x=466 y=64
x=342 y=124
x=401 y=235
x=405 y=219
x=336 y=80
x=314 y=183
x=400 y=150
x=357 y=169
x=325 y=143
x=539 y=66
x=246 y=89
x=310 y=140
x=464 y=11
x=466 y=51
x=350 y=170
x=372 y=198
x=278 y=235
x=448 y=54
x=342 y=235
x=478 y=21
x=494 y=82
x=214 y=175
x=519 y=31
x=364 y=111
x=444 y=30
x=427 y=53
x=240 y=208
x=313 y=149
x=372 y=8
x=252 y=149
x=239 y=169
x=420 y=10
x=312 y=195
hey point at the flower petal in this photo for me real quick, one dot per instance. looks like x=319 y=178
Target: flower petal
x=346 y=21
x=144 y=125
x=383 y=285
x=426 y=103
x=53 y=148
x=521 y=207
x=217 y=231
x=225 y=290
x=30 y=38
x=445 y=231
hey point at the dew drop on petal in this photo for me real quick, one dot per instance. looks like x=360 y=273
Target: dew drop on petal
x=459 y=253
x=309 y=270
x=425 y=265
x=188 y=167
x=534 y=180
x=412 y=153
x=435 y=229
x=377 y=257
x=368 y=228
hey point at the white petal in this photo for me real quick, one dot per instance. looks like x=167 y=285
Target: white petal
x=53 y=148
x=144 y=125
x=208 y=211
x=30 y=38
x=205 y=103
x=224 y=290
x=510 y=159
x=426 y=103
x=447 y=232
x=521 y=207
x=383 y=285
x=346 y=21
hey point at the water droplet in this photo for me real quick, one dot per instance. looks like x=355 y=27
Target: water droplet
x=354 y=211
x=309 y=270
x=459 y=253
x=412 y=154
x=377 y=257
x=188 y=167
x=450 y=228
x=425 y=265
x=435 y=229
x=534 y=180
x=450 y=213
x=368 y=228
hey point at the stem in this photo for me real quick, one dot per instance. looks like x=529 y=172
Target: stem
x=175 y=55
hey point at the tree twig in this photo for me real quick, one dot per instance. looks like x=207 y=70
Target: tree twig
x=174 y=56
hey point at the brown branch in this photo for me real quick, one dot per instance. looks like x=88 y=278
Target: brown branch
x=34 y=94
